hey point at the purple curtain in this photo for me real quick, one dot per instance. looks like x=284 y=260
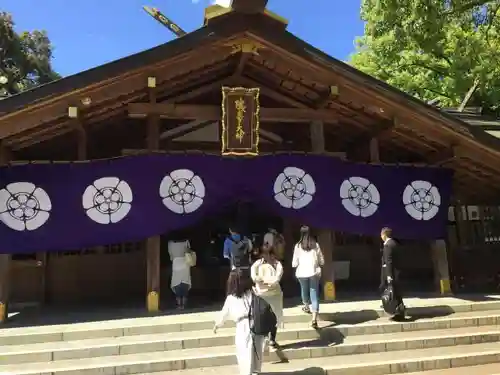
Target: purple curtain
x=51 y=207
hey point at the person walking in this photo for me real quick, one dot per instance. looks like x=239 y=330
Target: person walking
x=181 y=270
x=307 y=261
x=266 y=273
x=249 y=347
x=237 y=249
x=391 y=262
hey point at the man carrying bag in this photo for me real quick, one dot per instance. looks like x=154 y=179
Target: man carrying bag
x=392 y=300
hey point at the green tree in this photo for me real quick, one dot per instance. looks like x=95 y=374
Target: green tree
x=439 y=50
x=25 y=58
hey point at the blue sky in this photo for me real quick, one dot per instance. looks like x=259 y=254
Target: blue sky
x=92 y=32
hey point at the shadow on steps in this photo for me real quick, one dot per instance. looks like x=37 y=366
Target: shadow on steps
x=307 y=371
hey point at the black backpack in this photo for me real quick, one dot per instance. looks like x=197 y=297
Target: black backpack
x=240 y=253
x=262 y=317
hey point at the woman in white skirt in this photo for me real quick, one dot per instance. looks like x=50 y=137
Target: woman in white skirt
x=266 y=274
x=249 y=347
x=181 y=271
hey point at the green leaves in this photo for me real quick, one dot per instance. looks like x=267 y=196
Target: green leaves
x=433 y=48
x=25 y=58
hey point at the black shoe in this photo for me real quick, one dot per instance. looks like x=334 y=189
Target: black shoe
x=399 y=318
x=274 y=345
x=306 y=309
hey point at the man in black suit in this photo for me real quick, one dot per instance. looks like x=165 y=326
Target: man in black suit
x=391 y=261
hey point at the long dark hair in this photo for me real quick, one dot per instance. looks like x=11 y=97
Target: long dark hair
x=239 y=283
x=270 y=251
x=306 y=240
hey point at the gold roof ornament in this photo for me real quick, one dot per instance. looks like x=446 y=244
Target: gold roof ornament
x=217 y=10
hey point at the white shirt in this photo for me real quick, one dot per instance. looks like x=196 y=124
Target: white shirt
x=181 y=272
x=266 y=277
x=235 y=309
x=308 y=263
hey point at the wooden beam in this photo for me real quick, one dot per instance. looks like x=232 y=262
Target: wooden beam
x=43 y=112
x=379 y=132
x=270 y=136
x=200 y=147
x=207 y=112
x=323 y=98
x=189 y=85
x=443 y=157
x=374 y=151
x=333 y=92
x=275 y=95
x=192 y=93
x=153 y=244
x=287 y=98
x=81 y=135
x=184 y=129
x=153 y=131
x=244 y=57
x=384 y=128
x=5 y=259
x=317 y=131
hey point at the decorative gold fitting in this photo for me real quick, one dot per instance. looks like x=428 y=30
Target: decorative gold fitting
x=245 y=46
x=151 y=82
x=72 y=112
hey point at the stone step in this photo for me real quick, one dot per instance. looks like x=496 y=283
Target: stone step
x=356 y=322
x=491 y=369
x=298 y=342
x=402 y=361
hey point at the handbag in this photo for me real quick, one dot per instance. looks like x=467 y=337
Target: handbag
x=390 y=304
x=190 y=257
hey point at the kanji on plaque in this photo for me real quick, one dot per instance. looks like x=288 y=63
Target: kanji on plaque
x=240 y=121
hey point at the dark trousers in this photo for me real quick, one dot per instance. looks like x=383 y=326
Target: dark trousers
x=272 y=335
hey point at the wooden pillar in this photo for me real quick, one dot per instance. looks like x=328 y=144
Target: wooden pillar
x=374 y=151
x=5 y=259
x=461 y=223
x=153 y=243
x=441 y=269
x=326 y=237
x=82 y=144
x=289 y=282
x=81 y=135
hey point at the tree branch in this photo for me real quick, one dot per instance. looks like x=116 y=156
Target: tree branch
x=469 y=94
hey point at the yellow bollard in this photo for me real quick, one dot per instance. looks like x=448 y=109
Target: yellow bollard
x=153 y=302
x=329 y=291
x=445 y=286
x=3 y=312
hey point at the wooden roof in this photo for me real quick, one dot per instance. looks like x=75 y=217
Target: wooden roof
x=288 y=70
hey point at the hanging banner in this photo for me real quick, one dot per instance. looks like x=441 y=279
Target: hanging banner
x=240 y=121
x=59 y=207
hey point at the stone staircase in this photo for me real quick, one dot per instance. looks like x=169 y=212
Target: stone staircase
x=447 y=336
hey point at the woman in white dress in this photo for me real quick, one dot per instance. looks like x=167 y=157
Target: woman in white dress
x=181 y=271
x=266 y=272
x=249 y=347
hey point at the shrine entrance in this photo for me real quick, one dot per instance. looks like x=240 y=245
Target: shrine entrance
x=207 y=240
